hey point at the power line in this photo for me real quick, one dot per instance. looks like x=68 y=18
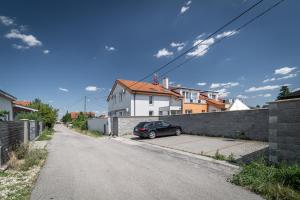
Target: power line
x=236 y=30
x=195 y=46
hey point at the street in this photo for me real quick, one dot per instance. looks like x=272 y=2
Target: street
x=82 y=167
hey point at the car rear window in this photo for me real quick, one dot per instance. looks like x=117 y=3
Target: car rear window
x=143 y=124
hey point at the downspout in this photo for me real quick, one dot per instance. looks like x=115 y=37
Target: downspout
x=134 y=103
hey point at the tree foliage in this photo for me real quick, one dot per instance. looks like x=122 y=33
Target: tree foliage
x=45 y=113
x=80 y=122
x=284 y=91
x=66 y=118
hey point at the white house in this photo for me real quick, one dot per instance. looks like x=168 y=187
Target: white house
x=6 y=104
x=131 y=98
x=238 y=105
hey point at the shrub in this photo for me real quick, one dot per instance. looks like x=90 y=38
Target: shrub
x=13 y=162
x=46 y=135
x=34 y=157
x=21 y=151
x=273 y=182
x=231 y=158
x=80 y=122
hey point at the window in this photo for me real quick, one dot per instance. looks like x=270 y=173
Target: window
x=114 y=98
x=120 y=97
x=160 y=113
x=150 y=113
x=203 y=110
x=151 y=100
x=188 y=111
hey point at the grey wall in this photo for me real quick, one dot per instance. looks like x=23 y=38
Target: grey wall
x=97 y=124
x=284 y=137
x=11 y=133
x=125 y=125
x=253 y=124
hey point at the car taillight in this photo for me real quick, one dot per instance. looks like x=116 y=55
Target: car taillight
x=142 y=129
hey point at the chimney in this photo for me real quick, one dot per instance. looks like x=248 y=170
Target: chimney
x=165 y=83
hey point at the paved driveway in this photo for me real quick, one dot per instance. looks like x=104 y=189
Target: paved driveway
x=207 y=145
x=81 y=167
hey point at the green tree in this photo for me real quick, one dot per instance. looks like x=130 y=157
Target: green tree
x=80 y=122
x=284 y=91
x=66 y=118
x=45 y=113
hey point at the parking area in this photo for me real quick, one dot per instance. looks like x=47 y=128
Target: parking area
x=208 y=145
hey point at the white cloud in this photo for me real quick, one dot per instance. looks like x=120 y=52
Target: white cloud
x=269 y=80
x=63 y=89
x=110 y=48
x=242 y=96
x=296 y=89
x=226 y=34
x=46 y=51
x=201 y=47
x=267 y=87
x=284 y=70
x=223 y=92
x=6 y=21
x=287 y=76
x=186 y=7
x=29 y=40
x=91 y=88
x=225 y=85
x=163 y=53
x=21 y=47
x=201 y=84
x=179 y=45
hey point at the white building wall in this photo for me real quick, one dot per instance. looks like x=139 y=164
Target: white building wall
x=6 y=104
x=124 y=104
x=213 y=109
x=97 y=124
x=143 y=107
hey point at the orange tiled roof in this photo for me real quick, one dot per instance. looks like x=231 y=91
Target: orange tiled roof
x=146 y=88
x=74 y=115
x=22 y=103
x=213 y=102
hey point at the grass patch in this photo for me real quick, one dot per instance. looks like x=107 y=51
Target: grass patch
x=272 y=182
x=34 y=157
x=46 y=135
x=17 y=181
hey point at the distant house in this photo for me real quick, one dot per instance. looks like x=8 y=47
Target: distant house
x=22 y=106
x=238 y=105
x=6 y=104
x=292 y=95
x=198 y=101
x=131 y=98
x=74 y=115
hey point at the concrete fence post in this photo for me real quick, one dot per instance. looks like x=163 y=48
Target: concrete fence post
x=26 y=131
x=40 y=128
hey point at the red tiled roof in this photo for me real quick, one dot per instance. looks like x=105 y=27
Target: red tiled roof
x=145 y=88
x=74 y=115
x=22 y=103
x=213 y=102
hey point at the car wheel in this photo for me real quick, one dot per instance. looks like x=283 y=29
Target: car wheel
x=152 y=135
x=178 y=131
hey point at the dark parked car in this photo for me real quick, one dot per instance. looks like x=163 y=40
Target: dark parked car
x=155 y=128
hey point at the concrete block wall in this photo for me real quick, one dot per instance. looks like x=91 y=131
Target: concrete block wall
x=284 y=131
x=125 y=125
x=251 y=124
x=99 y=124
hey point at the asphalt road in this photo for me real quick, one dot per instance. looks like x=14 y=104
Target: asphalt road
x=85 y=168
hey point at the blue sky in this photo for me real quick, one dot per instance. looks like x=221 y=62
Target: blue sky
x=55 y=50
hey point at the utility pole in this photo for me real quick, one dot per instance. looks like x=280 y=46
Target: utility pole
x=84 y=110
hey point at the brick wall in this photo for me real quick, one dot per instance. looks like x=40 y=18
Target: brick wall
x=284 y=132
x=11 y=133
x=252 y=124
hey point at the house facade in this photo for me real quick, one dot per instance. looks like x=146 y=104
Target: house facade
x=198 y=101
x=6 y=104
x=131 y=98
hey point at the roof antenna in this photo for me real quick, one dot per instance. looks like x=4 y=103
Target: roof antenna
x=155 y=79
